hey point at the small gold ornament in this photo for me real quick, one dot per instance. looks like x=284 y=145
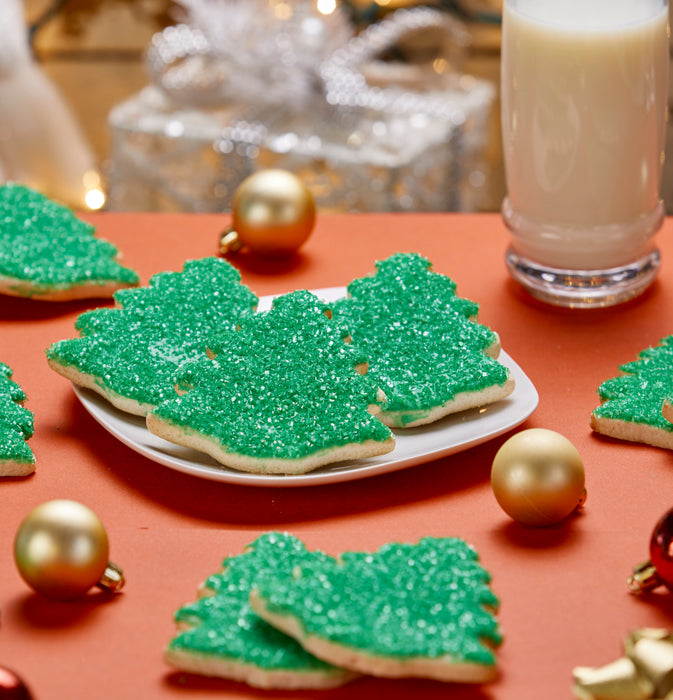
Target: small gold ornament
x=538 y=477
x=61 y=550
x=273 y=213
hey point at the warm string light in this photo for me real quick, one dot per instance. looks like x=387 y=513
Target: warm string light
x=326 y=7
x=283 y=10
x=94 y=197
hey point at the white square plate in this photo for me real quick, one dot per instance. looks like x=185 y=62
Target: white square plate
x=453 y=433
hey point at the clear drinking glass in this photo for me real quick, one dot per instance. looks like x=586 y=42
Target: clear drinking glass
x=584 y=105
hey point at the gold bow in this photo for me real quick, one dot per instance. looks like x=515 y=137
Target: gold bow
x=645 y=672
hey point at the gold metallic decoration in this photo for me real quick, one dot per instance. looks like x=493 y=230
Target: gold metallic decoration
x=538 y=477
x=644 y=578
x=273 y=214
x=618 y=679
x=645 y=672
x=61 y=550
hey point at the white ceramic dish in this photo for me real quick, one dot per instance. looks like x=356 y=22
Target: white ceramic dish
x=413 y=445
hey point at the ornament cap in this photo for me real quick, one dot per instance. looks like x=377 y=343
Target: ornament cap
x=644 y=578
x=112 y=579
x=230 y=241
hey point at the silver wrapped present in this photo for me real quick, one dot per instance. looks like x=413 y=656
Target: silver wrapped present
x=364 y=134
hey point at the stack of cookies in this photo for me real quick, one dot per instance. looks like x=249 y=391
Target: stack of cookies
x=281 y=616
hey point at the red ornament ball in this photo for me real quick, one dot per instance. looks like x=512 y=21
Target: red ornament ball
x=12 y=687
x=661 y=549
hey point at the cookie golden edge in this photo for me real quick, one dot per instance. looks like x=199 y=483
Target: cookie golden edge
x=633 y=432
x=214 y=667
x=443 y=668
x=11 y=286
x=190 y=438
x=90 y=381
x=13 y=468
x=461 y=402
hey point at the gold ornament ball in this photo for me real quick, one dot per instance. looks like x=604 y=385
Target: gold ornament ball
x=61 y=549
x=273 y=213
x=538 y=477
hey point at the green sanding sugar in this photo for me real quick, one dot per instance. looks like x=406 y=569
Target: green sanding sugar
x=134 y=350
x=430 y=599
x=222 y=624
x=16 y=422
x=45 y=243
x=638 y=394
x=283 y=386
x=423 y=348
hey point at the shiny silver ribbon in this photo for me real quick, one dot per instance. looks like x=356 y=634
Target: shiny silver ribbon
x=183 y=61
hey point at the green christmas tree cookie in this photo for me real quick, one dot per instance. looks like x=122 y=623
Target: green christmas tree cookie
x=422 y=610
x=632 y=404
x=221 y=636
x=47 y=253
x=425 y=352
x=129 y=354
x=281 y=395
x=16 y=426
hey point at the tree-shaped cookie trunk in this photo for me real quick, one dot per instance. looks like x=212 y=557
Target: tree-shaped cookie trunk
x=16 y=426
x=219 y=635
x=422 y=610
x=632 y=402
x=281 y=395
x=47 y=253
x=129 y=354
x=425 y=351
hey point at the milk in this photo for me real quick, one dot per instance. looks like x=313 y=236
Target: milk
x=584 y=101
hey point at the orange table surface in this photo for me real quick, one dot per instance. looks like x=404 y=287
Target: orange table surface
x=564 y=600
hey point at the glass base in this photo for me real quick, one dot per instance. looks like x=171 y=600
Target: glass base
x=583 y=289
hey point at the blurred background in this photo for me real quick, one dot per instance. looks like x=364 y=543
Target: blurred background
x=386 y=105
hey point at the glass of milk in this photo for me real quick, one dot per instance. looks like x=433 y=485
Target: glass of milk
x=584 y=106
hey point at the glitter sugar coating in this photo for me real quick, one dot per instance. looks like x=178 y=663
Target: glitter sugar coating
x=222 y=624
x=45 y=243
x=16 y=422
x=134 y=350
x=430 y=599
x=637 y=395
x=283 y=386
x=422 y=346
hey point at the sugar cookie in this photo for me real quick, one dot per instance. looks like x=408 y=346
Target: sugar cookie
x=16 y=426
x=47 y=253
x=129 y=354
x=406 y=610
x=425 y=352
x=280 y=396
x=632 y=403
x=221 y=636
